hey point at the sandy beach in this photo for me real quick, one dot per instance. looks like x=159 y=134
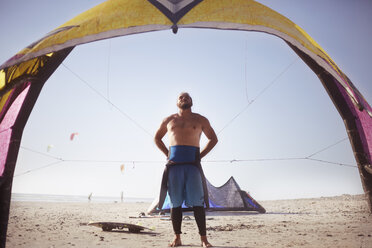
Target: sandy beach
x=342 y=221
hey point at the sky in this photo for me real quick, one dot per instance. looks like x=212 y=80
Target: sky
x=115 y=93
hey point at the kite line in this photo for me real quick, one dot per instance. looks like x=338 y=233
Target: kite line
x=258 y=95
x=105 y=98
x=250 y=102
x=245 y=70
x=108 y=70
x=61 y=160
x=145 y=130
x=39 y=168
x=326 y=148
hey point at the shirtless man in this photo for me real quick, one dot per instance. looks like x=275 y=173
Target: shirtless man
x=185 y=178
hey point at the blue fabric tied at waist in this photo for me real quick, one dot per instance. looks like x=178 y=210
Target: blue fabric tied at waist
x=183 y=154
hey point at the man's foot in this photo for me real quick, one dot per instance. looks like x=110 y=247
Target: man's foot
x=205 y=242
x=176 y=242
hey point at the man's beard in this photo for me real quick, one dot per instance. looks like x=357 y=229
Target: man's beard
x=185 y=106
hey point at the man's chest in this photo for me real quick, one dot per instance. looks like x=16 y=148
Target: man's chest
x=184 y=124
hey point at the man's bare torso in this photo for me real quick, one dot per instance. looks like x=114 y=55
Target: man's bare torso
x=185 y=130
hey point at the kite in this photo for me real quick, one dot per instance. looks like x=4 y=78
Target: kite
x=122 y=168
x=23 y=76
x=72 y=136
x=49 y=148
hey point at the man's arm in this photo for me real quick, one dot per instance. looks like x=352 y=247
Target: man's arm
x=159 y=136
x=210 y=134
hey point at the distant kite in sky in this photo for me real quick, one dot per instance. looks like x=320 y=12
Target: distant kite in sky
x=122 y=168
x=49 y=148
x=72 y=136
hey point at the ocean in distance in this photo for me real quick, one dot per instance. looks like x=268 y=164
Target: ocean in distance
x=75 y=198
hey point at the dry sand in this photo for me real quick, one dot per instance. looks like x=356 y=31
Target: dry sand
x=342 y=221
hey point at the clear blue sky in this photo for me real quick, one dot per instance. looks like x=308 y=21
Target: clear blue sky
x=223 y=70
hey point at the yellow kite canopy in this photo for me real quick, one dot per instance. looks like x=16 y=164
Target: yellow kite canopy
x=23 y=76
x=122 y=17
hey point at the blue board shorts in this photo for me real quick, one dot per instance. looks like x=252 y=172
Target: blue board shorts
x=184 y=180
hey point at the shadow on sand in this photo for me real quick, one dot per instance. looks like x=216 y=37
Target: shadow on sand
x=132 y=233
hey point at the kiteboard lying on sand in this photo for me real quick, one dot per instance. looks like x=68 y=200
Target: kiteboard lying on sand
x=109 y=226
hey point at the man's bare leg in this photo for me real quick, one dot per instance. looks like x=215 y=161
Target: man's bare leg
x=176 y=242
x=205 y=242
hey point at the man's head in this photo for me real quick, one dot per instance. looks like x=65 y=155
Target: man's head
x=184 y=101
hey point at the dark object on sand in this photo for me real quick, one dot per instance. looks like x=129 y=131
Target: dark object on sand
x=109 y=226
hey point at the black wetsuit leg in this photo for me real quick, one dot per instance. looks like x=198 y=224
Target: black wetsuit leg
x=176 y=216
x=199 y=214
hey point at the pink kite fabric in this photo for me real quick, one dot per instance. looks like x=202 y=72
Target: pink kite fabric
x=365 y=126
x=364 y=122
x=4 y=146
x=72 y=136
x=6 y=127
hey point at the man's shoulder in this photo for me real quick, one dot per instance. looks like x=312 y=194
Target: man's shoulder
x=199 y=117
x=169 y=118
